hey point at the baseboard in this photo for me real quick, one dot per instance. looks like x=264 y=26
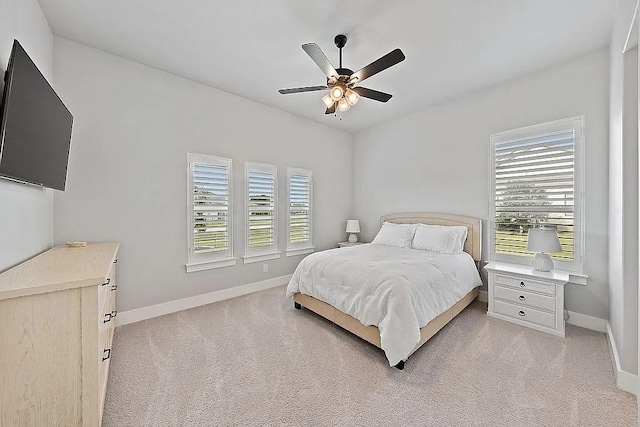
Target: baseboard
x=483 y=296
x=587 y=322
x=624 y=380
x=152 y=311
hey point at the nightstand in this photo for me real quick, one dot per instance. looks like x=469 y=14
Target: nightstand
x=347 y=244
x=531 y=298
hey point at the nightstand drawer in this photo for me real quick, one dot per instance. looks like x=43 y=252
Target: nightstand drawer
x=527 y=284
x=523 y=297
x=526 y=314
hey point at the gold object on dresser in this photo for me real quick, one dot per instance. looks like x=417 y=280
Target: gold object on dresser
x=56 y=329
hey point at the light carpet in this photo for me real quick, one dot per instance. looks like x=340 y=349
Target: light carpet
x=255 y=360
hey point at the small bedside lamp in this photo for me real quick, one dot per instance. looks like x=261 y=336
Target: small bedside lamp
x=353 y=227
x=543 y=240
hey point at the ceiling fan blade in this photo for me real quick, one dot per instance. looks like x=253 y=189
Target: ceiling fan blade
x=318 y=56
x=372 y=94
x=331 y=109
x=389 y=60
x=302 y=89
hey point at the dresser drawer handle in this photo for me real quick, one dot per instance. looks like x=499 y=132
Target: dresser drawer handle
x=114 y=287
x=115 y=261
x=522 y=284
x=114 y=313
x=521 y=313
x=108 y=352
x=107 y=282
x=522 y=298
x=107 y=318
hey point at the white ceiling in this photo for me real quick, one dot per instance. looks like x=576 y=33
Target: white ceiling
x=252 y=48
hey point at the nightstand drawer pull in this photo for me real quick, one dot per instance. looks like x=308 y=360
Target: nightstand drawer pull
x=108 y=354
x=107 y=282
x=522 y=298
x=521 y=313
x=114 y=287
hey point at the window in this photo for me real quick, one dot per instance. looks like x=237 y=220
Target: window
x=300 y=215
x=536 y=180
x=210 y=214
x=261 y=201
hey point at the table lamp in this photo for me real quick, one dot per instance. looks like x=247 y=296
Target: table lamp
x=353 y=227
x=543 y=240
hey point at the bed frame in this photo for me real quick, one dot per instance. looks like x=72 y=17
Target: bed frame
x=473 y=246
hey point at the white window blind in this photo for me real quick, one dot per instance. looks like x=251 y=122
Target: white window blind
x=536 y=182
x=300 y=186
x=261 y=210
x=210 y=236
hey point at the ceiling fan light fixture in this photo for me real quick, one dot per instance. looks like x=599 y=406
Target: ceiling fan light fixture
x=341 y=81
x=336 y=93
x=343 y=104
x=352 y=97
x=328 y=101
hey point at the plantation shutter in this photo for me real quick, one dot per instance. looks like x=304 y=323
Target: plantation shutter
x=300 y=187
x=534 y=184
x=261 y=208
x=210 y=214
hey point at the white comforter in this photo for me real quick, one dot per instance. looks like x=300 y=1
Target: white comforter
x=398 y=290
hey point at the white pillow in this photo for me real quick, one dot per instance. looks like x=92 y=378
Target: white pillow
x=398 y=235
x=440 y=238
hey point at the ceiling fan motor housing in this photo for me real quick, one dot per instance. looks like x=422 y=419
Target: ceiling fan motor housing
x=343 y=73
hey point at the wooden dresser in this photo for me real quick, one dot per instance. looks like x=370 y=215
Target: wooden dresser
x=56 y=329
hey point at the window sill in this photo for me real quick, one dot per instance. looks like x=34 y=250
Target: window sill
x=209 y=265
x=300 y=251
x=568 y=276
x=249 y=259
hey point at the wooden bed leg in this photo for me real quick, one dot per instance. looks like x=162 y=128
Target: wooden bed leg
x=400 y=365
x=297 y=306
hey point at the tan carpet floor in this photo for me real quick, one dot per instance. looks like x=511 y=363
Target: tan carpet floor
x=254 y=360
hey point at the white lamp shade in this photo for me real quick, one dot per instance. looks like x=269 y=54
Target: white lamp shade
x=352 y=97
x=543 y=240
x=353 y=226
x=328 y=100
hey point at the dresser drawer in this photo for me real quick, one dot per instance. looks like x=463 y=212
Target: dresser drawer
x=104 y=354
x=526 y=314
x=526 y=284
x=105 y=288
x=522 y=297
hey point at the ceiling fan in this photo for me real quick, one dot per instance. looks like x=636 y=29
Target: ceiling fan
x=341 y=82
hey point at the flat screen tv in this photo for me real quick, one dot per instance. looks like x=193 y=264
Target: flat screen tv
x=35 y=126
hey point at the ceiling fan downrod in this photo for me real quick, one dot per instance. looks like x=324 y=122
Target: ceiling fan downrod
x=340 y=40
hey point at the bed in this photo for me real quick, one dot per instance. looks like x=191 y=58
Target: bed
x=394 y=298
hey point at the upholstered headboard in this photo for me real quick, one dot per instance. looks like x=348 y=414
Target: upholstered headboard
x=473 y=245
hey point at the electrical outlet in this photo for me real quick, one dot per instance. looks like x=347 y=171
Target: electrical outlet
x=265 y=268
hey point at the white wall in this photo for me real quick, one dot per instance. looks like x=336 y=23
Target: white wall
x=437 y=160
x=623 y=188
x=26 y=212
x=127 y=173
